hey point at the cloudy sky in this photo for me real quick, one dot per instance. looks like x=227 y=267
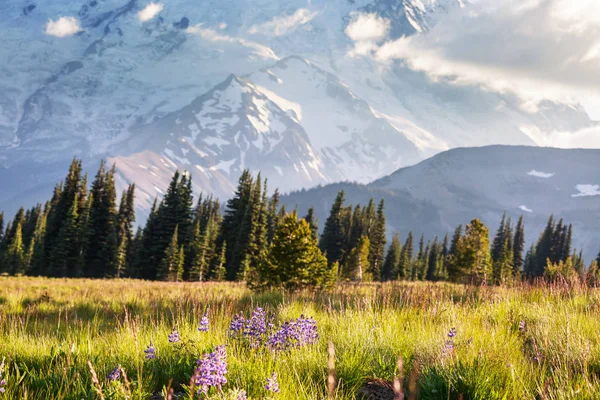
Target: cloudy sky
x=536 y=49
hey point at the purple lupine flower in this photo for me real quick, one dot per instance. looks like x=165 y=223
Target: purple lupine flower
x=237 y=324
x=242 y=395
x=256 y=327
x=522 y=326
x=115 y=374
x=211 y=370
x=150 y=352
x=452 y=332
x=203 y=324
x=272 y=384
x=174 y=336
x=295 y=333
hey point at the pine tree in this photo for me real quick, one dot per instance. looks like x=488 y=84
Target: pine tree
x=358 y=267
x=171 y=267
x=598 y=259
x=126 y=219
x=16 y=252
x=518 y=247
x=235 y=214
x=392 y=259
x=377 y=239
x=219 y=269
x=499 y=241
x=148 y=259
x=313 y=222
x=332 y=239
x=294 y=260
x=198 y=253
x=64 y=257
x=406 y=255
x=432 y=261
x=471 y=260
x=272 y=216
x=543 y=249
x=101 y=252
x=66 y=203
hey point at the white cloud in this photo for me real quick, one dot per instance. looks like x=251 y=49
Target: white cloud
x=587 y=190
x=536 y=49
x=539 y=174
x=524 y=208
x=586 y=138
x=367 y=27
x=150 y=11
x=62 y=27
x=284 y=23
x=366 y=30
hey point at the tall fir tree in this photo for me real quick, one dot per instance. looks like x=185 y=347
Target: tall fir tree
x=16 y=252
x=332 y=239
x=432 y=261
x=543 y=249
x=404 y=265
x=101 y=252
x=377 y=240
x=392 y=259
x=518 y=248
x=313 y=222
x=171 y=266
x=233 y=218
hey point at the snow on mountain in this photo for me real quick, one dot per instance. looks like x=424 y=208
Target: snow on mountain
x=232 y=127
x=354 y=143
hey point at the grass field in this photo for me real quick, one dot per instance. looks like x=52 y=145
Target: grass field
x=510 y=343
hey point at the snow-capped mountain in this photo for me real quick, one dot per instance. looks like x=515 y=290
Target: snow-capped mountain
x=149 y=88
x=232 y=127
x=354 y=143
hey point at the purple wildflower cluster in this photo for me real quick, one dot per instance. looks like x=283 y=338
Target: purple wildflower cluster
x=242 y=395
x=150 y=352
x=2 y=380
x=295 y=333
x=253 y=329
x=211 y=370
x=204 y=323
x=522 y=326
x=272 y=384
x=115 y=374
x=174 y=336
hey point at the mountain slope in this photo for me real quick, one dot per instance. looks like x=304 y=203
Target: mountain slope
x=456 y=186
x=230 y=128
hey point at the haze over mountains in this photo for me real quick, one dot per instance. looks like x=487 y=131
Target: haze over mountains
x=283 y=87
x=438 y=194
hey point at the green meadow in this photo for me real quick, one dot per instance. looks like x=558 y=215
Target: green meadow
x=511 y=343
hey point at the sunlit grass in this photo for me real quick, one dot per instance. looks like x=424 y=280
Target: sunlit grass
x=50 y=328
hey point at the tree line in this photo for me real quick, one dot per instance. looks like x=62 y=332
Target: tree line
x=89 y=232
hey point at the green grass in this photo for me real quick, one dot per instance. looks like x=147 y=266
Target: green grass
x=50 y=328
